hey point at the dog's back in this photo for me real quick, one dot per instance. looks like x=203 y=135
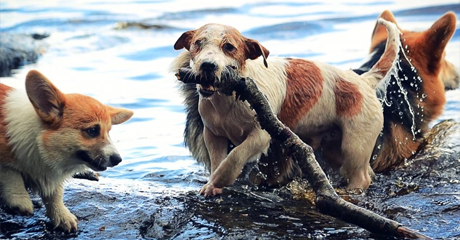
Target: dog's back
x=307 y=96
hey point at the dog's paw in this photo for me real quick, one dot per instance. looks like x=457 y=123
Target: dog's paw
x=209 y=190
x=64 y=219
x=20 y=204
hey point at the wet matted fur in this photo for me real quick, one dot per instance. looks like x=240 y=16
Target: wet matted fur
x=319 y=102
x=415 y=95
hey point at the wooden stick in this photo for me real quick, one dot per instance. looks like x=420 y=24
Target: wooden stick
x=327 y=200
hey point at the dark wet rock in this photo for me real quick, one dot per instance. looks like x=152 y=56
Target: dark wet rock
x=423 y=195
x=17 y=50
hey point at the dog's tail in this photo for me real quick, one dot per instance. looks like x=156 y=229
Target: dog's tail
x=399 y=91
x=386 y=64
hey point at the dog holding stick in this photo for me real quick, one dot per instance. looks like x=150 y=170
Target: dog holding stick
x=314 y=99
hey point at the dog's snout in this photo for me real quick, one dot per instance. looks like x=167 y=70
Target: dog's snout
x=115 y=159
x=208 y=67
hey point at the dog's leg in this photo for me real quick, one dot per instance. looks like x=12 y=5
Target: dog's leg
x=58 y=213
x=217 y=148
x=14 y=192
x=256 y=143
x=357 y=145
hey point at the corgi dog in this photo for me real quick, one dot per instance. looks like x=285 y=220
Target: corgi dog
x=415 y=95
x=47 y=136
x=312 y=98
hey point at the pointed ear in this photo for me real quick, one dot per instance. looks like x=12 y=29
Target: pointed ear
x=380 y=32
x=47 y=100
x=119 y=115
x=438 y=35
x=184 y=40
x=254 y=49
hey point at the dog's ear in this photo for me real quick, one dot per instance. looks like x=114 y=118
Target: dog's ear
x=435 y=39
x=47 y=100
x=184 y=40
x=119 y=115
x=380 y=32
x=254 y=49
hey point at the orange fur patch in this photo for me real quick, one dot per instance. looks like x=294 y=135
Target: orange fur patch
x=399 y=147
x=426 y=52
x=304 y=86
x=432 y=86
x=348 y=99
x=5 y=150
x=83 y=112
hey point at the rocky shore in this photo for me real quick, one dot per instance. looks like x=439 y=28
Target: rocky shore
x=18 y=49
x=422 y=195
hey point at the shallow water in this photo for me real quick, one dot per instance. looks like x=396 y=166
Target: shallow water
x=88 y=53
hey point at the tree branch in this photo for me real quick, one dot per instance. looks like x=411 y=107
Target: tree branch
x=327 y=200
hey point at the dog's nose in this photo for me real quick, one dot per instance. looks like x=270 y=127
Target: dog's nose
x=115 y=160
x=208 y=67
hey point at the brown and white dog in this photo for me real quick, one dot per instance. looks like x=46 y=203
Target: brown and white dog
x=46 y=136
x=415 y=98
x=312 y=98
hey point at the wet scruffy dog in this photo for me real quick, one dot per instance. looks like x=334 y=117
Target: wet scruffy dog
x=46 y=136
x=415 y=96
x=312 y=98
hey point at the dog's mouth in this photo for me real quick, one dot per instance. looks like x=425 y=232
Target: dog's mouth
x=208 y=79
x=207 y=90
x=96 y=165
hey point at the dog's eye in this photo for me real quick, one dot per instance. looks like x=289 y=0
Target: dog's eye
x=229 y=47
x=93 y=131
x=198 y=43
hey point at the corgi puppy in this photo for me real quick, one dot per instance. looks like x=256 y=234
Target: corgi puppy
x=47 y=136
x=311 y=98
x=415 y=95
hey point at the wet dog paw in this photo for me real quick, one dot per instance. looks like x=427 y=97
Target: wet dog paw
x=20 y=204
x=209 y=190
x=64 y=220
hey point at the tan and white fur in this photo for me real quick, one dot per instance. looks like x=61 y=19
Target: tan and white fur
x=312 y=98
x=46 y=136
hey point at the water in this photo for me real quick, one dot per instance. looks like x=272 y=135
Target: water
x=128 y=67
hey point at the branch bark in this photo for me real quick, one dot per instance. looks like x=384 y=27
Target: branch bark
x=327 y=200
